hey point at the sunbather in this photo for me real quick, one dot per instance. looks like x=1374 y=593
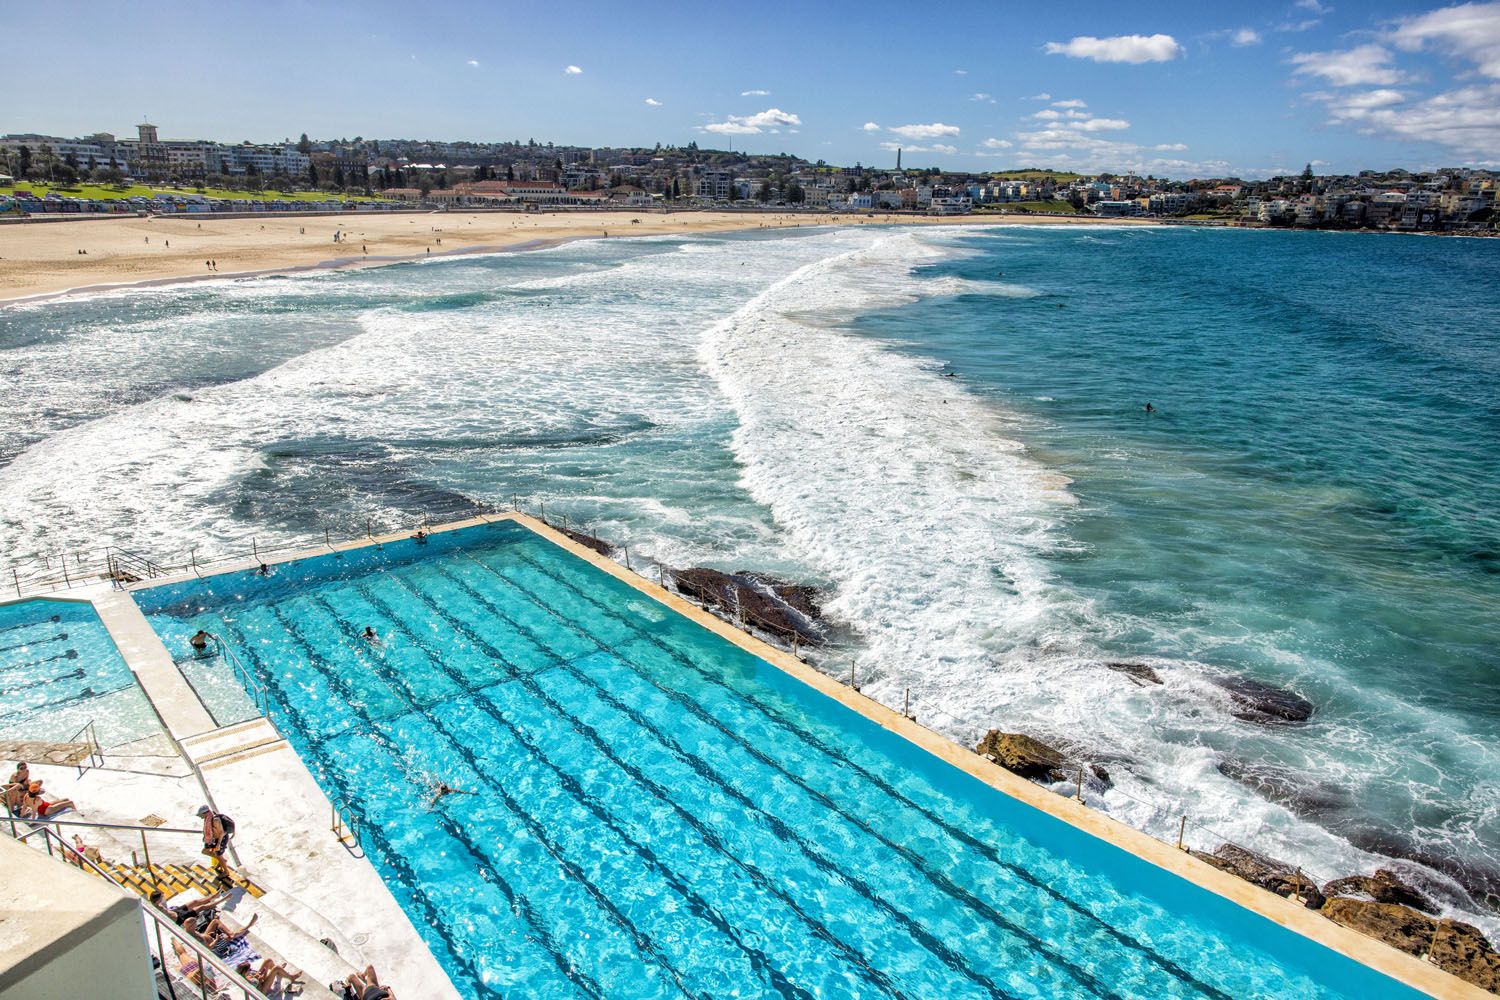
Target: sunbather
x=363 y=986
x=268 y=977
x=192 y=970
x=203 y=909
x=216 y=933
x=36 y=807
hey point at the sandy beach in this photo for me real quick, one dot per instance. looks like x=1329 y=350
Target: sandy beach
x=43 y=259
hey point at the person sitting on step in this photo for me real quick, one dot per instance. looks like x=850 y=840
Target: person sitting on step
x=268 y=977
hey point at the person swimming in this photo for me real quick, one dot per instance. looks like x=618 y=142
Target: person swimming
x=1150 y=408
x=368 y=635
x=443 y=788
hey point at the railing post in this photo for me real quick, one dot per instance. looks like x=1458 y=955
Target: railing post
x=194 y=554
x=544 y=510
x=17 y=578
x=255 y=549
x=1079 y=796
x=627 y=558
x=146 y=849
x=1181 y=829
x=65 y=572
x=326 y=540
x=368 y=533
x=906 y=707
x=795 y=634
x=167 y=975
x=515 y=503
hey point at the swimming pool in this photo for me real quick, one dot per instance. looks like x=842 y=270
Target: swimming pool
x=648 y=810
x=59 y=670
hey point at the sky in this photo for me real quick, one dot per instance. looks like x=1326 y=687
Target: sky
x=1176 y=89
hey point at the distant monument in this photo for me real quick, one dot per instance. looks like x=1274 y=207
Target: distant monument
x=898 y=159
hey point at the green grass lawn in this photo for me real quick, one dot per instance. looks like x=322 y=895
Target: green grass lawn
x=1062 y=207
x=1061 y=176
x=105 y=192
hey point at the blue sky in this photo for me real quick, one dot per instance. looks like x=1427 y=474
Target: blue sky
x=1180 y=89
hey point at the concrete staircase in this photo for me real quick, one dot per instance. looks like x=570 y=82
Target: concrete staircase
x=173 y=879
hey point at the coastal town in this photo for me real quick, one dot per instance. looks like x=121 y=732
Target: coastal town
x=47 y=176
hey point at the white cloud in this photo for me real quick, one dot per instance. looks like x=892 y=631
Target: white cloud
x=473 y=62
x=1120 y=48
x=936 y=147
x=1047 y=115
x=1074 y=103
x=1314 y=6
x=1245 y=36
x=1170 y=147
x=1463 y=121
x=960 y=72
x=871 y=127
x=983 y=98
x=1470 y=31
x=572 y=71
x=653 y=102
x=996 y=144
x=1100 y=125
x=1356 y=67
x=935 y=130
x=755 y=93
x=769 y=120
x=1043 y=96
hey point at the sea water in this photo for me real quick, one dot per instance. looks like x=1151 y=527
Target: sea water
x=1309 y=504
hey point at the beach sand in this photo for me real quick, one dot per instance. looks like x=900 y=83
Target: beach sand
x=42 y=258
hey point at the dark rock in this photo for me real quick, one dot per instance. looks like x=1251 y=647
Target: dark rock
x=1102 y=775
x=1287 y=788
x=1478 y=879
x=599 y=545
x=1266 y=872
x=1463 y=950
x=1383 y=887
x=1257 y=702
x=782 y=609
x=1023 y=755
x=1398 y=926
x=1140 y=673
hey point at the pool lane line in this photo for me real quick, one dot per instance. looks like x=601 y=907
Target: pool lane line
x=754 y=956
x=71 y=654
x=781 y=722
x=34 y=642
x=70 y=675
x=84 y=695
x=393 y=680
x=919 y=934
x=42 y=621
x=435 y=919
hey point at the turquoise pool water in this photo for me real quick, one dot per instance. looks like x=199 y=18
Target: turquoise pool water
x=59 y=670
x=650 y=811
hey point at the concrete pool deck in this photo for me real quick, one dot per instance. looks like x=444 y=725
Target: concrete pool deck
x=285 y=837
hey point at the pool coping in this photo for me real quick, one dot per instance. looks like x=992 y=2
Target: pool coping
x=1407 y=969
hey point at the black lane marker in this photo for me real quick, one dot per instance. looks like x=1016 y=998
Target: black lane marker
x=44 y=621
x=70 y=675
x=35 y=642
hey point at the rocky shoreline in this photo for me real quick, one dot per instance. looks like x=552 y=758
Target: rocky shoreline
x=1383 y=905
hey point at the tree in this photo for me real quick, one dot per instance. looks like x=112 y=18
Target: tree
x=304 y=144
x=764 y=194
x=312 y=175
x=338 y=176
x=795 y=194
x=510 y=172
x=1307 y=172
x=676 y=189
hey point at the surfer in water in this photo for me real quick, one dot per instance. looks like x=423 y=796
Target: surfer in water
x=1150 y=408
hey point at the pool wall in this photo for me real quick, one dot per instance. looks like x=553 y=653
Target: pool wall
x=1298 y=935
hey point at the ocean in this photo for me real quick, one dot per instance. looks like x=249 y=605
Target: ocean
x=944 y=430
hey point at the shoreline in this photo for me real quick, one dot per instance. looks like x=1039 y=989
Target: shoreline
x=38 y=266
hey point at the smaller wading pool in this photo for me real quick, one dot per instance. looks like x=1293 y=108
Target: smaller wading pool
x=60 y=670
x=652 y=811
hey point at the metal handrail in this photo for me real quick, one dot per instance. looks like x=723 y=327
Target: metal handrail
x=338 y=821
x=262 y=700
x=96 y=753
x=157 y=921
